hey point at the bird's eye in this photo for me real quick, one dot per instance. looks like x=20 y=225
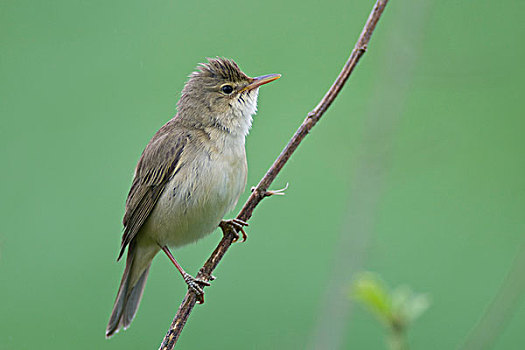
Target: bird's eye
x=227 y=89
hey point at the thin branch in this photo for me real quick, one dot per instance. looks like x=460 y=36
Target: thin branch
x=501 y=309
x=261 y=190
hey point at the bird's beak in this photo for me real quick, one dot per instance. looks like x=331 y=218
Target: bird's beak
x=258 y=81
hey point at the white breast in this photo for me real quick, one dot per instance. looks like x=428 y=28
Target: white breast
x=198 y=196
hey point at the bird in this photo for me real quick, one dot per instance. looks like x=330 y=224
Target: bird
x=189 y=176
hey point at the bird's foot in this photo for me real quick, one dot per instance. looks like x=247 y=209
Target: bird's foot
x=196 y=285
x=237 y=225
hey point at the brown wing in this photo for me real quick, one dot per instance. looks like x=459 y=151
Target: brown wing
x=157 y=165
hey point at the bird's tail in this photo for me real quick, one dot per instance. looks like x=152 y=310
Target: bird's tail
x=129 y=293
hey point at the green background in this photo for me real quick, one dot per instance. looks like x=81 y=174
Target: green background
x=416 y=172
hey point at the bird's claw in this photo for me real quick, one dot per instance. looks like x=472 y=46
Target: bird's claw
x=196 y=285
x=238 y=226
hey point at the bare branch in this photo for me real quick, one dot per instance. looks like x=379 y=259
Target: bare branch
x=261 y=190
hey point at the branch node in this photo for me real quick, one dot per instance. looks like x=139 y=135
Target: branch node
x=264 y=193
x=362 y=49
x=280 y=192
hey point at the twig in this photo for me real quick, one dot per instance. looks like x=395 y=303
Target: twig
x=503 y=306
x=261 y=190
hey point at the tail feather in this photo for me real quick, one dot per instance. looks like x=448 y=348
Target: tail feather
x=134 y=300
x=128 y=296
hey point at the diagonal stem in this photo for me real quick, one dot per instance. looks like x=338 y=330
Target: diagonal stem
x=260 y=190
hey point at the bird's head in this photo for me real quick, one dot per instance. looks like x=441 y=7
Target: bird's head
x=218 y=94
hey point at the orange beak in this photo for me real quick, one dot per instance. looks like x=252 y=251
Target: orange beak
x=258 y=81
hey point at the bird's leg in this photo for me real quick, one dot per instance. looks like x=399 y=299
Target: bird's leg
x=237 y=225
x=193 y=283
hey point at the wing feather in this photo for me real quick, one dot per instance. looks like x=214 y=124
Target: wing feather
x=159 y=162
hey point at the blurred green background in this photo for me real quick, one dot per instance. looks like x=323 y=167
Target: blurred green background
x=416 y=172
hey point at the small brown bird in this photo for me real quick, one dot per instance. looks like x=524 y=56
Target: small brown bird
x=189 y=176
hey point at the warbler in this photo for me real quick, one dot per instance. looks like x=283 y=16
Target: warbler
x=188 y=177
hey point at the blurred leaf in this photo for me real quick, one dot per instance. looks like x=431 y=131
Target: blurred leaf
x=371 y=292
x=408 y=305
x=396 y=309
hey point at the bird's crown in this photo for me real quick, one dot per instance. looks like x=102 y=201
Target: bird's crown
x=222 y=69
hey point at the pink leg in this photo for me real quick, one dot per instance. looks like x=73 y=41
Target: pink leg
x=193 y=283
